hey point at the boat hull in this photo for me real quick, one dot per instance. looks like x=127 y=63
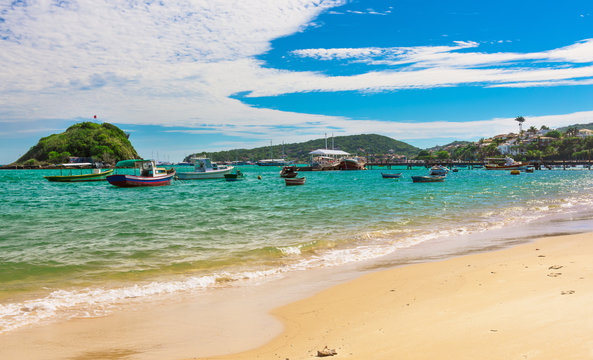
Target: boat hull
x=294 y=181
x=140 y=181
x=391 y=176
x=427 y=179
x=233 y=177
x=80 y=178
x=350 y=164
x=197 y=175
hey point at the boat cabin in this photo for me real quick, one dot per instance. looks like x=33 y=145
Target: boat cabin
x=204 y=165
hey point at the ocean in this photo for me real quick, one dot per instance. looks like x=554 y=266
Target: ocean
x=85 y=249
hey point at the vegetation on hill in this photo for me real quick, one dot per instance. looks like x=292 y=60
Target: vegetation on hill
x=555 y=145
x=101 y=142
x=354 y=144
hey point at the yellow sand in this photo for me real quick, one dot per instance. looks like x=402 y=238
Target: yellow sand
x=534 y=301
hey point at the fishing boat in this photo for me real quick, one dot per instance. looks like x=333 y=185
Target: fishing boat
x=391 y=176
x=294 y=181
x=438 y=170
x=352 y=164
x=205 y=169
x=145 y=174
x=430 y=178
x=236 y=176
x=94 y=175
x=503 y=164
x=288 y=172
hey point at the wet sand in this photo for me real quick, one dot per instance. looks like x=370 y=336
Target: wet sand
x=532 y=301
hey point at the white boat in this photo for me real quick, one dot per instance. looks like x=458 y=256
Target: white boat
x=503 y=164
x=438 y=170
x=205 y=169
x=273 y=162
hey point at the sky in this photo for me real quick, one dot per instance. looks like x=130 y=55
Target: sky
x=194 y=75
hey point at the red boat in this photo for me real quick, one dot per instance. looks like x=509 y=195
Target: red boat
x=145 y=174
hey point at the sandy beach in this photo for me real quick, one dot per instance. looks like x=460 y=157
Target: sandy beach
x=532 y=301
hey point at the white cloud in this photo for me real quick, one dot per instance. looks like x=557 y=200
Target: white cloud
x=178 y=64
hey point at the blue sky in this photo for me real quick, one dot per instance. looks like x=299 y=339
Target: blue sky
x=215 y=75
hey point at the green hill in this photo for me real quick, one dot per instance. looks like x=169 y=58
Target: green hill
x=102 y=142
x=577 y=126
x=353 y=144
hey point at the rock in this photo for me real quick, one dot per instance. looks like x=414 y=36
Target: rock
x=326 y=352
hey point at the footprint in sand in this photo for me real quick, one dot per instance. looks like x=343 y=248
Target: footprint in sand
x=555 y=267
x=567 y=292
x=554 y=274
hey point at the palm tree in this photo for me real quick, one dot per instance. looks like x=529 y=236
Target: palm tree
x=520 y=120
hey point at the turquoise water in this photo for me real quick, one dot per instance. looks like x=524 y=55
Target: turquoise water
x=77 y=249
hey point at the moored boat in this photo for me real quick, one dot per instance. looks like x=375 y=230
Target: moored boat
x=94 y=175
x=502 y=164
x=145 y=174
x=236 y=176
x=289 y=172
x=430 y=178
x=352 y=164
x=438 y=170
x=391 y=176
x=294 y=181
x=205 y=169
x=272 y=162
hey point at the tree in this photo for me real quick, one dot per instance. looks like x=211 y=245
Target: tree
x=532 y=130
x=544 y=127
x=520 y=120
x=554 y=133
x=572 y=131
x=442 y=155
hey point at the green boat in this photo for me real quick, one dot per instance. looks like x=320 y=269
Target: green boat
x=234 y=176
x=94 y=175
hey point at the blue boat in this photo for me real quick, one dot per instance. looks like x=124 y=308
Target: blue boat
x=145 y=174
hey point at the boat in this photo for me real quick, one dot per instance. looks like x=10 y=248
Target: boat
x=205 y=169
x=294 y=181
x=273 y=162
x=325 y=159
x=351 y=164
x=288 y=172
x=94 y=175
x=438 y=170
x=236 y=176
x=502 y=164
x=145 y=174
x=430 y=178
x=391 y=176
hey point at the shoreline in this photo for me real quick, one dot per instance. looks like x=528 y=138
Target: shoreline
x=232 y=320
x=528 y=301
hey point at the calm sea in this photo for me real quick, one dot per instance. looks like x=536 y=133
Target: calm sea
x=82 y=249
